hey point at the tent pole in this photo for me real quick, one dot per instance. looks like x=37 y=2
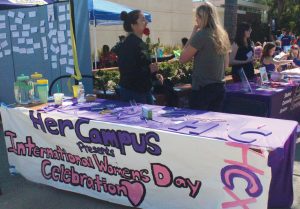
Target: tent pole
x=95 y=43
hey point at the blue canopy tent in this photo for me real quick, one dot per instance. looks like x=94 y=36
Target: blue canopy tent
x=104 y=12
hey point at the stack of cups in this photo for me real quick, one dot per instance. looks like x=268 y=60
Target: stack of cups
x=42 y=89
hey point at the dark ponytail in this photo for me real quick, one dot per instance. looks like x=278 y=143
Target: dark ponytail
x=129 y=18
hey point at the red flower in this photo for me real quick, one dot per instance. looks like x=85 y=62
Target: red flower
x=146 y=31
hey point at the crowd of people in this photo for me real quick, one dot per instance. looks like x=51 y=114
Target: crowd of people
x=211 y=52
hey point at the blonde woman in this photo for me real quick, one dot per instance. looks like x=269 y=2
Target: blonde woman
x=209 y=46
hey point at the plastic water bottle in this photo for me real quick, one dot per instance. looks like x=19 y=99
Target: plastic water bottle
x=81 y=93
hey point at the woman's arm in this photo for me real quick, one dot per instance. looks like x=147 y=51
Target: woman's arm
x=187 y=54
x=233 y=61
x=188 y=51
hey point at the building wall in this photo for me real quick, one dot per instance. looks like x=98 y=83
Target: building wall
x=171 y=20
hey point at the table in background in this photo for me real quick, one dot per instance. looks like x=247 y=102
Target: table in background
x=282 y=102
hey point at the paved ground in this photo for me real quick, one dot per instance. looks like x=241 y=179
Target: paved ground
x=18 y=193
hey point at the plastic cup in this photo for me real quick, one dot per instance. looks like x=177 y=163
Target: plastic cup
x=43 y=92
x=58 y=98
x=75 y=90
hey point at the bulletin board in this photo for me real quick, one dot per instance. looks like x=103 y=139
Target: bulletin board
x=34 y=39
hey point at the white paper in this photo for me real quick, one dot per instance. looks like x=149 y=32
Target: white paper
x=36 y=45
x=68 y=16
x=61 y=39
x=69 y=33
x=44 y=41
x=60 y=34
x=70 y=52
x=70 y=70
x=54 y=65
x=2 y=17
x=1 y=54
x=2 y=35
x=64 y=49
x=249 y=54
x=68 y=7
x=53 y=58
x=62 y=27
x=57 y=50
x=63 y=61
x=34 y=29
x=21 y=15
x=18 y=20
x=15 y=34
x=62 y=18
x=2 y=25
x=26 y=26
x=50 y=25
x=16 y=49
x=29 y=41
x=42 y=22
x=42 y=29
x=52 y=48
x=4 y=44
x=71 y=62
x=32 y=14
x=45 y=56
x=11 y=14
x=25 y=33
x=21 y=40
x=23 y=51
x=30 y=51
x=45 y=50
x=62 y=8
x=69 y=42
x=54 y=40
x=7 y=52
x=13 y=27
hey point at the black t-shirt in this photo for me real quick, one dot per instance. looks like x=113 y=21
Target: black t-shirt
x=134 y=61
x=248 y=67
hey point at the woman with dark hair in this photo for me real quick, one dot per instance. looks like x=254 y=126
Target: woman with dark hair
x=134 y=60
x=268 y=61
x=241 y=55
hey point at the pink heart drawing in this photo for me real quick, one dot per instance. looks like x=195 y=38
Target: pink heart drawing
x=136 y=191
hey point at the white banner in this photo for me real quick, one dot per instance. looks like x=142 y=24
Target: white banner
x=135 y=166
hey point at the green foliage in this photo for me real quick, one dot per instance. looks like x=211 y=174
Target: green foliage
x=110 y=78
x=290 y=14
x=176 y=72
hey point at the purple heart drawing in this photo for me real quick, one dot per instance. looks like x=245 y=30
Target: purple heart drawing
x=136 y=191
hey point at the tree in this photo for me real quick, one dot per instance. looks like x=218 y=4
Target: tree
x=230 y=17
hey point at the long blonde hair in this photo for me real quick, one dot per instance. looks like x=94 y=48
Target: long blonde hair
x=210 y=19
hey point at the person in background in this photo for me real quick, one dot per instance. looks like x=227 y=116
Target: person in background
x=209 y=46
x=184 y=40
x=107 y=58
x=258 y=50
x=286 y=40
x=241 y=55
x=116 y=48
x=267 y=60
x=298 y=41
x=278 y=48
x=295 y=54
x=136 y=69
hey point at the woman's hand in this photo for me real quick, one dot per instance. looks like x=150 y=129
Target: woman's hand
x=153 y=67
x=160 y=78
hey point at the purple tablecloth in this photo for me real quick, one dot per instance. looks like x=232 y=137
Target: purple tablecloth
x=281 y=102
x=282 y=143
